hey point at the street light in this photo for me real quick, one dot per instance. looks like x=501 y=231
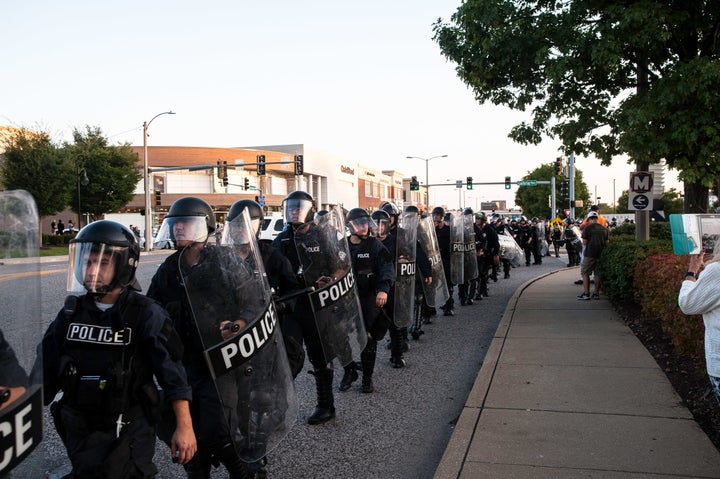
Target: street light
x=83 y=180
x=426 y=160
x=146 y=178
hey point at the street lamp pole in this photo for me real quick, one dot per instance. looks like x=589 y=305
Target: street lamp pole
x=146 y=178
x=427 y=182
x=84 y=181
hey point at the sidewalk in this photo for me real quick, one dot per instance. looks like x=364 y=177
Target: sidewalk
x=567 y=390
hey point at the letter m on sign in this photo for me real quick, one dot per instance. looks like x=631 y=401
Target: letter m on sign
x=641 y=182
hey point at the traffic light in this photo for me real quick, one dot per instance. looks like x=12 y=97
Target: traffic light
x=298 y=165
x=158 y=198
x=469 y=182
x=565 y=190
x=246 y=183
x=414 y=184
x=507 y=183
x=224 y=172
x=558 y=165
x=260 y=165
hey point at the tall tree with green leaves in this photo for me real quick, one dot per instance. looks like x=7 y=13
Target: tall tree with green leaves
x=534 y=199
x=111 y=171
x=32 y=162
x=640 y=78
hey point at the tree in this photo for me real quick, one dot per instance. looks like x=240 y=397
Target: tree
x=534 y=199
x=33 y=163
x=111 y=170
x=605 y=78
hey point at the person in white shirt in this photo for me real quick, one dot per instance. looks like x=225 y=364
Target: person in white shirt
x=699 y=294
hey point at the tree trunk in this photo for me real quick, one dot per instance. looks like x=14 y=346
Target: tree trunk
x=696 y=198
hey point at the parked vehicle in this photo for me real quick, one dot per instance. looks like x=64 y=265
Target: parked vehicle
x=271 y=227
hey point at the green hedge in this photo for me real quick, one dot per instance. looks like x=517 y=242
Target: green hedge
x=57 y=240
x=617 y=265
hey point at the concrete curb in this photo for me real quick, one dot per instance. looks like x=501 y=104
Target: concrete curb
x=453 y=459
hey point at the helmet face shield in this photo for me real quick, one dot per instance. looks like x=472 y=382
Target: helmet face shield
x=381 y=227
x=297 y=210
x=240 y=230
x=361 y=226
x=182 y=231
x=98 y=267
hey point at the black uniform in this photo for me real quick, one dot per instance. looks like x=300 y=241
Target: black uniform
x=283 y=281
x=445 y=245
x=487 y=241
x=374 y=272
x=104 y=362
x=209 y=422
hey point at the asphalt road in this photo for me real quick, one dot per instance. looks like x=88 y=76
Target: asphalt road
x=399 y=431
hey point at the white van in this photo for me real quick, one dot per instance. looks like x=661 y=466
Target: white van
x=271 y=227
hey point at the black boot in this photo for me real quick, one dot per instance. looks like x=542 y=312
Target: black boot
x=237 y=469
x=368 y=361
x=349 y=376
x=325 y=409
x=396 y=342
x=449 y=307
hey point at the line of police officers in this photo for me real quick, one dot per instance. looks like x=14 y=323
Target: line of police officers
x=222 y=327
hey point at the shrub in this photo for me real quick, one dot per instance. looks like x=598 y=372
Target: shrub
x=617 y=265
x=658 y=230
x=657 y=283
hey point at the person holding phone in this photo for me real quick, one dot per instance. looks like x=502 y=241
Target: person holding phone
x=699 y=295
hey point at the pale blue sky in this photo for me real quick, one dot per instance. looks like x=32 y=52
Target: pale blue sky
x=364 y=80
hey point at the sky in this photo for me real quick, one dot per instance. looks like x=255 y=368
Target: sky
x=363 y=80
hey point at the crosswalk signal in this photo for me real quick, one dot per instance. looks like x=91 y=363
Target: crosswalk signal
x=414 y=184
x=246 y=183
x=260 y=165
x=298 y=165
x=507 y=183
x=469 y=182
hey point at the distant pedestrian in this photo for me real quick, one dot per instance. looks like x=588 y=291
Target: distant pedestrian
x=594 y=237
x=70 y=224
x=53 y=227
x=699 y=295
x=60 y=227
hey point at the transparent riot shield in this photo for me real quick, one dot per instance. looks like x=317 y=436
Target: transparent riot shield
x=436 y=294
x=470 y=265
x=21 y=398
x=457 y=248
x=326 y=266
x=232 y=306
x=405 y=266
x=510 y=250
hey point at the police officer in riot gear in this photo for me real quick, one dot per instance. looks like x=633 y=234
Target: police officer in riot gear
x=299 y=210
x=102 y=351
x=374 y=274
x=189 y=224
x=282 y=280
x=466 y=290
x=442 y=231
x=398 y=336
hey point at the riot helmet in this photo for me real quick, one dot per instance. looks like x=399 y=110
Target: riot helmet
x=359 y=223
x=190 y=220
x=381 y=220
x=298 y=208
x=468 y=211
x=438 y=215
x=234 y=231
x=103 y=256
x=412 y=209
x=320 y=214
